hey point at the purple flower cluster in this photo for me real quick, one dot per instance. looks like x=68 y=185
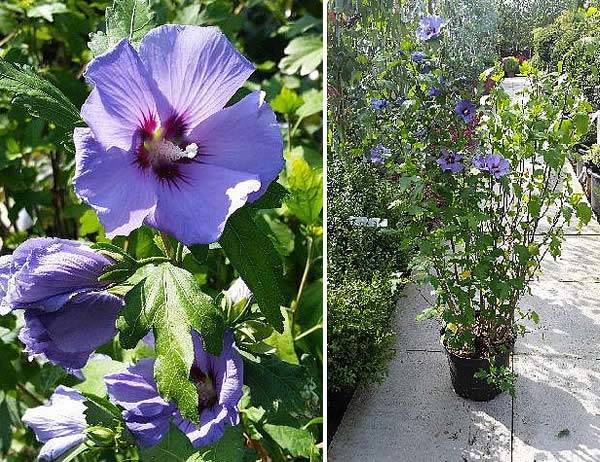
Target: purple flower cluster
x=451 y=161
x=494 y=164
x=429 y=27
x=55 y=281
x=218 y=381
x=466 y=110
x=162 y=148
x=379 y=104
x=379 y=154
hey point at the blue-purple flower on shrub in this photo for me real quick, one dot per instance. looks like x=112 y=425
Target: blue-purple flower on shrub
x=378 y=104
x=451 y=161
x=466 y=110
x=494 y=164
x=434 y=91
x=55 y=281
x=162 y=148
x=425 y=69
x=60 y=424
x=218 y=380
x=417 y=56
x=379 y=154
x=429 y=27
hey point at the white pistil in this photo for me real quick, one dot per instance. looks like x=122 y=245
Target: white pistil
x=161 y=149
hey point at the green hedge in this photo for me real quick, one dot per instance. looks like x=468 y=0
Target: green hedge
x=362 y=263
x=360 y=331
x=574 y=40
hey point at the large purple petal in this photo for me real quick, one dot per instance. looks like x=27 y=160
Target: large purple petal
x=244 y=137
x=62 y=416
x=5 y=273
x=147 y=414
x=195 y=209
x=196 y=68
x=124 y=100
x=47 y=272
x=120 y=192
x=211 y=429
x=56 y=447
x=66 y=336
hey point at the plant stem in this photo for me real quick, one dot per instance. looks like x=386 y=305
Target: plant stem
x=307 y=266
x=29 y=394
x=179 y=254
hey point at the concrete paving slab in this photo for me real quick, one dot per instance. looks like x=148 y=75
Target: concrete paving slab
x=578 y=261
x=569 y=319
x=413 y=334
x=556 y=409
x=414 y=416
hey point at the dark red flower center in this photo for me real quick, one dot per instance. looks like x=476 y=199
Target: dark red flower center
x=207 y=395
x=165 y=149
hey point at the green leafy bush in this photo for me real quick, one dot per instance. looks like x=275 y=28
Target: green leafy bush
x=360 y=331
x=572 y=41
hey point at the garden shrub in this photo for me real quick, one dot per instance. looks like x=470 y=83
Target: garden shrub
x=573 y=40
x=360 y=332
x=519 y=19
x=470 y=36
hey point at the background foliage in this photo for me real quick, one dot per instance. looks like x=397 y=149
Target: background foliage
x=49 y=39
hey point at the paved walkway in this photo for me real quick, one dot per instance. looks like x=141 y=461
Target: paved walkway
x=414 y=416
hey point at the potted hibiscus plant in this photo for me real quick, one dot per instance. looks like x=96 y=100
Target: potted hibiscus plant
x=495 y=202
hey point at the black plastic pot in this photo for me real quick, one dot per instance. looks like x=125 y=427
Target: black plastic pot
x=462 y=373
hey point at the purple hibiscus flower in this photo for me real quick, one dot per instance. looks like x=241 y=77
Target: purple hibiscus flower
x=494 y=164
x=378 y=104
x=161 y=147
x=466 y=109
x=379 y=154
x=417 y=56
x=218 y=381
x=451 y=161
x=60 y=424
x=429 y=27
x=55 y=281
x=434 y=91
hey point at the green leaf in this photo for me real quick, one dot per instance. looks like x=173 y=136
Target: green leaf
x=582 y=124
x=298 y=442
x=38 y=96
x=313 y=104
x=170 y=301
x=174 y=447
x=94 y=372
x=101 y=412
x=583 y=212
x=277 y=386
x=284 y=343
x=272 y=198
x=230 y=448
x=303 y=54
x=47 y=11
x=5 y=426
x=90 y=224
x=306 y=191
x=287 y=101
x=130 y=19
x=254 y=257
x=199 y=252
